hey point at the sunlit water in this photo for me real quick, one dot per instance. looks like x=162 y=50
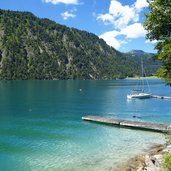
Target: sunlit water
x=41 y=127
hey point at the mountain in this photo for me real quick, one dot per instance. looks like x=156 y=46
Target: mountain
x=140 y=53
x=151 y=65
x=34 y=48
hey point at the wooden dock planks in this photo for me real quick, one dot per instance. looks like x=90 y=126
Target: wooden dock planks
x=130 y=124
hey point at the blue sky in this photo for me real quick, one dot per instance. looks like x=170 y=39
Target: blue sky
x=118 y=22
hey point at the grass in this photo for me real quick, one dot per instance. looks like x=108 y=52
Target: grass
x=167 y=157
x=167 y=161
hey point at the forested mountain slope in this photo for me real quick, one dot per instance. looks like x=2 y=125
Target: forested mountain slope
x=150 y=64
x=33 y=48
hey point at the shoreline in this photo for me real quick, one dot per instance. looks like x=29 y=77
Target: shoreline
x=149 y=160
x=137 y=78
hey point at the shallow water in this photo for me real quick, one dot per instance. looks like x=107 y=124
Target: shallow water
x=41 y=126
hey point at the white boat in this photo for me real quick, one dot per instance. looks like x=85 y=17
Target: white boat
x=140 y=93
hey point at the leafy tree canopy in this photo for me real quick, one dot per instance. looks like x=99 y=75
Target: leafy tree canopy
x=158 y=26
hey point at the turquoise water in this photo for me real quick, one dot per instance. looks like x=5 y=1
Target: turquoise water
x=41 y=127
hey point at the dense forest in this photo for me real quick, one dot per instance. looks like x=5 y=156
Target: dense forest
x=150 y=64
x=33 y=48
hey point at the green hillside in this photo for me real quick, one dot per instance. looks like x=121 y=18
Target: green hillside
x=150 y=64
x=33 y=48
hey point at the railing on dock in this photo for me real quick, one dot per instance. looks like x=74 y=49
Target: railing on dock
x=130 y=124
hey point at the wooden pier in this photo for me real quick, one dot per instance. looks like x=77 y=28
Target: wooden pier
x=130 y=124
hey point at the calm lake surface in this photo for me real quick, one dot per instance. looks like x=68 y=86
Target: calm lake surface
x=41 y=127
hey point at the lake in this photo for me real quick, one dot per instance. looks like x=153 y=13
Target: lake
x=41 y=127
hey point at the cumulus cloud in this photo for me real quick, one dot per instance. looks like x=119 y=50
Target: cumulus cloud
x=120 y=15
x=152 y=42
x=132 y=31
x=68 y=2
x=140 y=4
x=111 y=40
x=106 y=18
x=68 y=14
x=125 y=19
x=135 y=30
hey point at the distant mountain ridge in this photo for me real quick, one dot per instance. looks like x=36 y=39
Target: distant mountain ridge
x=33 y=48
x=151 y=65
x=139 y=52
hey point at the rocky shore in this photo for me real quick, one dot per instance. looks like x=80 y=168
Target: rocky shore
x=149 y=161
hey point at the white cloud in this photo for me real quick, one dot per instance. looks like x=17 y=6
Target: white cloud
x=68 y=2
x=125 y=19
x=152 y=42
x=132 y=31
x=122 y=15
x=119 y=15
x=110 y=39
x=68 y=14
x=106 y=18
x=140 y=4
x=135 y=30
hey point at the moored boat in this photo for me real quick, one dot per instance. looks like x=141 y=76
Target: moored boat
x=139 y=93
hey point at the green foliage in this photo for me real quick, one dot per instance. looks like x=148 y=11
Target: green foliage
x=158 y=26
x=151 y=65
x=33 y=48
x=167 y=157
x=167 y=161
x=168 y=138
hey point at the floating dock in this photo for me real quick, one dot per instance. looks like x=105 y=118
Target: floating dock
x=161 y=97
x=130 y=124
